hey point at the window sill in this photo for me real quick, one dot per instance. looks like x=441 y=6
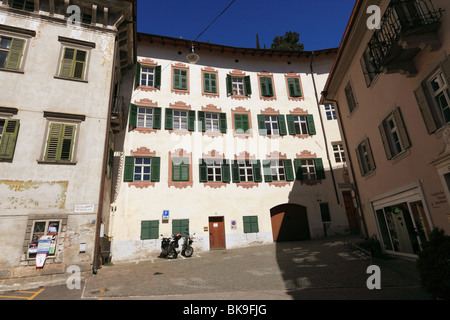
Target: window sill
x=147 y=89
x=273 y=98
x=13 y=71
x=145 y=130
x=210 y=95
x=400 y=156
x=239 y=97
x=247 y=185
x=66 y=163
x=141 y=184
x=280 y=184
x=180 y=91
x=369 y=174
x=71 y=79
x=180 y=184
x=295 y=98
x=214 y=184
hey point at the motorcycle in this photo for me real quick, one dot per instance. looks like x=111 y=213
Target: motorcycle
x=187 y=250
x=170 y=247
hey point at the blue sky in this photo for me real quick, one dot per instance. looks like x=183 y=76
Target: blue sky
x=320 y=23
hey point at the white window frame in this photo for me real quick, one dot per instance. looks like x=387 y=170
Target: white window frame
x=278 y=171
x=245 y=171
x=339 y=153
x=272 y=125
x=393 y=136
x=147 y=72
x=238 y=86
x=301 y=124
x=142 y=167
x=212 y=122
x=330 y=111
x=309 y=169
x=214 y=171
x=144 y=117
x=444 y=89
x=180 y=119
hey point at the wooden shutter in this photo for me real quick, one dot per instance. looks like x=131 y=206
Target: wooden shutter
x=320 y=171
x=133 y=116
x=365 y=69
x=176 y=79
x=157 y=114
x=298 y=169
x=229 y=85
x=67 y=63
x=294 y=87
x=54 y=134
x=257 y=171
x=149 y=230
x=203 y=171
x=406 y=142
x=156 y=168
x=79 y=64
x=191 y=120
x=247 y=86
x=445 y=66
x=370 y=154
x=157 y=76
x=267 y=171
x=223 y=122
x=68 y=136
x=425 y=110
x=184 y=225
x=262 y=125
x=282 y=125
x=360 y=162
x=350 y=97
x=235 y=172
x=226 y=176
x=184 y=169
x=290 y=124
x=169 y=119
x=206 y=82
x=137 y=75
x=266 y=86
x=201 y=121
x=289 y=170
x=250 y=224
x=15 y=54
x=128 y=172
x=311 y=125
x=9 y=139
x=213 y=82
x=387 y=148
x=60 y=142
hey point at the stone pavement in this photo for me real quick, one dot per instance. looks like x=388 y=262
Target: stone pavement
x=317 y=269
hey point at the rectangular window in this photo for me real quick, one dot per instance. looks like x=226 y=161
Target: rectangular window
x=145 y=117
x=238 y=86
x=142 y=169
x=368 y=66
x=294 y=87
x=147 y=77
x=212 y=122
x=365 y=157
x=214 y=170
x=245 y=171
x=180 y=226
x=27 y=5
x=338 y=151
x=350 y=97
x=180 y=79
x=11 y=52
x=266 y=86
x=241 y=123
x=250 y=224
x=45 y=231
x=149 y=230
x=180 y=169
x=325 y=212
x=271 y=124
x=73 y=64
x=309 y=169
x=393 y=134
x=330 y=112
x=9 y=129
x=60 y=142
x=209 y=82
x=440 y=92
x=301 y=125
x=180 y=120
x=277 y=170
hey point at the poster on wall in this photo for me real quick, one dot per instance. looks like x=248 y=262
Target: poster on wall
x=40 y=259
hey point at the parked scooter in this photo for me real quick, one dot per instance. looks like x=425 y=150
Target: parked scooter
x=170 y=247
x=187 y=250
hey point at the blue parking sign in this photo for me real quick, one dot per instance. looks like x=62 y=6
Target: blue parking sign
x=166 y=215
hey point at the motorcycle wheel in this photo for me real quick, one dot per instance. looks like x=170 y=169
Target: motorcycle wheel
x=172 y=254
x=188 y=251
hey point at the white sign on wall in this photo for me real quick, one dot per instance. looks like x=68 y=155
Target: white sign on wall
x=84 y=208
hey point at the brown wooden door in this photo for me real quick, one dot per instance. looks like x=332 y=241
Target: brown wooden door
x=290 y=223
x=216 y=233
x=352 y=216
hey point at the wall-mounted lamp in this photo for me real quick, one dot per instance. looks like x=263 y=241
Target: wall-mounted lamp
x=193 y=57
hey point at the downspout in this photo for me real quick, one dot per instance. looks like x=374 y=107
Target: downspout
x=105 y=159
x=323 y=129
x=344 y=136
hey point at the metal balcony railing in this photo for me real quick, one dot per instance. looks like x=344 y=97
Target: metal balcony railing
x=401 y=17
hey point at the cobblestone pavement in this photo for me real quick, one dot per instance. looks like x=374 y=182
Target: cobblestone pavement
x=318 y=269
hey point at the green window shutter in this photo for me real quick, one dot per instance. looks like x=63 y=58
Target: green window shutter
x=128 y=172
x=180 y=226
x=67 y=63
x=67 y=142
x=247 y=224
x=133 y=116
x=137 y=75
x=384 y=139
x=298 y=169
x=262 y=125
x=226 y=176
x=229 y=85
x=266 y=86
x=257 y=171
x=180 y=172
x=290 y=124
x=294 y=87
x=320 y=172
x=9 y=139
x=282 y=125
x=155 y=168
x=169 y=119
x=157 y=114
x=247 y=86
x=250 y=224
x=235 y=172
x=176 y=226
x=201 y=121
x=158 y=76
x=51 y=153
x=206 y=82
x=15 y=54
x=223 y=122
x=176 y=79
x=267 y=171
x=238 y=125
x=149 y=230
x=404 y=137
x=60 y=142
x=191 y=120
x=289 y=170
x=203 y=171
x=213 y=83
x=311 y=125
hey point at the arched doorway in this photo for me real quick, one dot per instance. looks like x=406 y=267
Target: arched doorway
x=289 y=223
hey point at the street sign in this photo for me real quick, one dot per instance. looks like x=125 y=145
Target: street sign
x=165 y=215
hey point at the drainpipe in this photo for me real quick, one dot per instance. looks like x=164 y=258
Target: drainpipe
x=105 y=159
x=344 y=136
x=323 y=129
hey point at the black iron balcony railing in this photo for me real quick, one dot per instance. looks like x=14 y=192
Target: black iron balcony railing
x=402 y=17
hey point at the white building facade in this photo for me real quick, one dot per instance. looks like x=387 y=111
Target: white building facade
x=234 y=148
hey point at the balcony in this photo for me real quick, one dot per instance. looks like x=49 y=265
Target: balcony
x=407 y=27
x=118 y=115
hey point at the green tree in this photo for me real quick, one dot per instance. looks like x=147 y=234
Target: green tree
x=290 y=41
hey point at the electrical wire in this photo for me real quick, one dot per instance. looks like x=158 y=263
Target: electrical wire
x=201 y=33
